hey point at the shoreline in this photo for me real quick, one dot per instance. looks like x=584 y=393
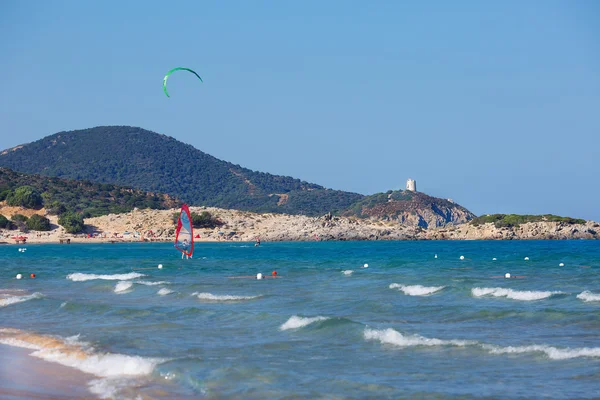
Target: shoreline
x=23 y=376
x=243 y=226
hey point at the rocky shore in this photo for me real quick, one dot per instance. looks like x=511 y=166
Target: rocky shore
x=158 y=225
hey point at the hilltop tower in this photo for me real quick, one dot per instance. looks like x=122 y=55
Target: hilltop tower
x=411 y=185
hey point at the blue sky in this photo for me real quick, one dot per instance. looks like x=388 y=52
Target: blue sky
x=493 y=104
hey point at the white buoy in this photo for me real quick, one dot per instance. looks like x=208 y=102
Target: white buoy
x=462 y=257
x=259 y=276
x=435 y=256
x=19 y=276
x=561 y=265
x=366 y=266
x=159 y=266
x=526 y=258
x=494 y=259
x=507 y=275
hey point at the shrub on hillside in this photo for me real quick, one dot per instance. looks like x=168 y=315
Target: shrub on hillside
x=205 y=220
x=72 y=222
x=5 y=222
x=38 y=223
x=4 y=194
x=25 y=196
x=56 y=208
x=19 y=218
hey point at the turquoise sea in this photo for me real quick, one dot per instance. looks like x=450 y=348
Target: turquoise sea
x=411 y=325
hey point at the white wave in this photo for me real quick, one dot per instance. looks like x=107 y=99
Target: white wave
x=18 y=299
x=72 y=353
x=80 y=277
x=122 y=286
x=147 y=283
x=226 y=297
x=552 y=352
x=164 y=292
x=18 y=343
x=296 y=322
x=526 y=295
x=416 y=290
x=588 y=296
x=347 y=272
x=391 y=336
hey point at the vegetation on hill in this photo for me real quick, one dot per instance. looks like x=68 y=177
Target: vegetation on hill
x=510 y=220
x=202 y=220
x=86 y=198
x=134 y=157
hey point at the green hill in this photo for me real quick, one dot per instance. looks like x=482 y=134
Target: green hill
x=149 y=161
x=87 y=198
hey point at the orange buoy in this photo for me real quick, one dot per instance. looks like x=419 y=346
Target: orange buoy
x=274 y=273
x=32 y=275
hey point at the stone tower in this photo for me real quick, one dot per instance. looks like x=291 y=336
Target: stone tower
x=411 y=185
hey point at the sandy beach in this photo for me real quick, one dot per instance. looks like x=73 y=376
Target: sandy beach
x=27 y=377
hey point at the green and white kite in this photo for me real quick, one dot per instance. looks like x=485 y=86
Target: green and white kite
x=173 y=70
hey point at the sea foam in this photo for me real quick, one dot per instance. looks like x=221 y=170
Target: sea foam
x=123 y=286
x=5 y=301
x=588 y=296
x=553 y=353
x=164 y=292
x=391 y=336
x=225 y=297
x=148 y=283
x=72 y=353
x=416 y=290
x=296 y=322
x=80 y=277
x=525 y=295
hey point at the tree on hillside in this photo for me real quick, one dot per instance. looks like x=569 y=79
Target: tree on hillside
x=205 y=220
x=25 y=196
x=72 y=222
x=5 y=222
x=56 y=208
x=19 y=221
x=38 y=223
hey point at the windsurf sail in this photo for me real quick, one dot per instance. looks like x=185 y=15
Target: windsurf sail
x=184 y=235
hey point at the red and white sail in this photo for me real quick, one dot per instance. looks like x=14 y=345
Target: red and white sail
x=184 y=236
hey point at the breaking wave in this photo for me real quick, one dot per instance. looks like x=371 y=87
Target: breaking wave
x=80 y=277
x=224 y=297
x=525 y=295
x=5 y=301
x=296 y=322
x=588 y=296
x=393 y=337
x=123 y=286
x=416 y=290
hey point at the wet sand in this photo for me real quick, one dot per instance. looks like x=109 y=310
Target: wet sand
x=26 y=377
